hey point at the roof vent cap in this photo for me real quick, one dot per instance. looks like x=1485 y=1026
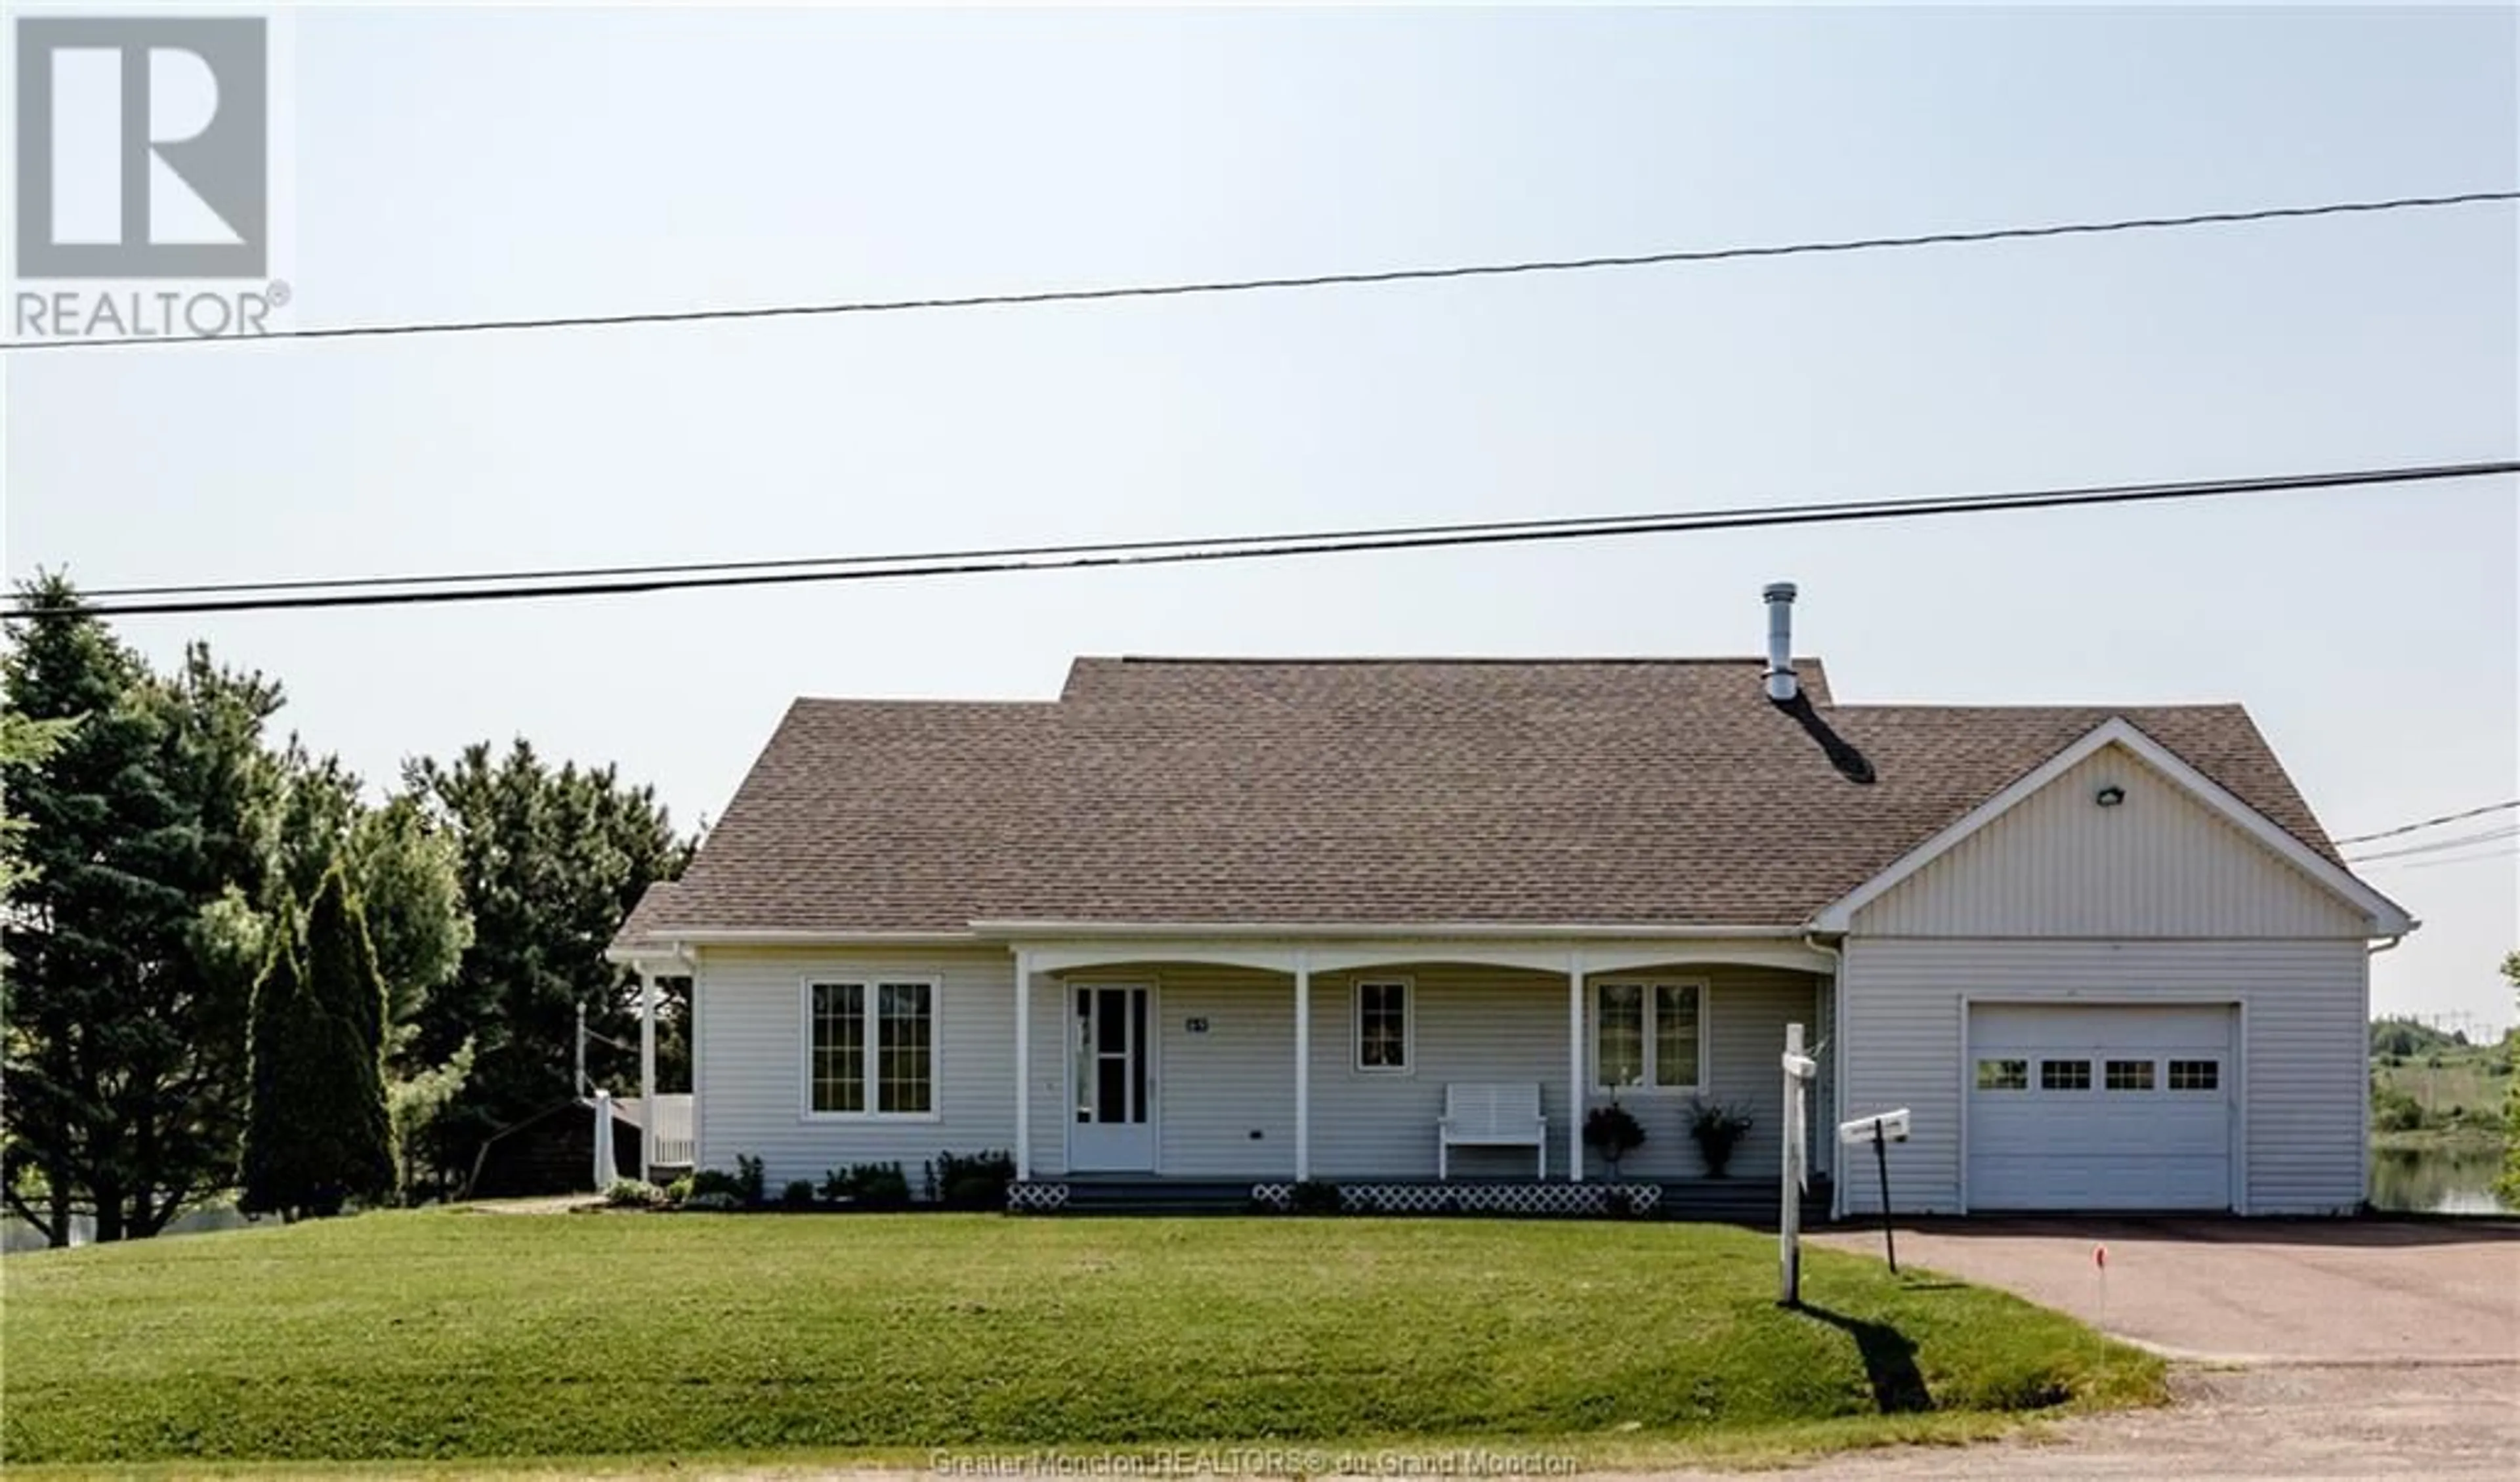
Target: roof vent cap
x=1782 y=687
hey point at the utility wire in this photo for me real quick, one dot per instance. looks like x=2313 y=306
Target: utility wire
x=2456 y=858
x=1602 y=524
x=1211 y=287
x=2430 y=822
x=2456 y=842
x=871 y=568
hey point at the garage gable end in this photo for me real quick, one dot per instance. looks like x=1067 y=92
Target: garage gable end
x=2116 y=837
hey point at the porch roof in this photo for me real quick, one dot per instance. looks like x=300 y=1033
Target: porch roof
x=1513 y=794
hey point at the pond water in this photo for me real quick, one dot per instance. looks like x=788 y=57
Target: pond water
x=2452 y=1180
x=15 y=1234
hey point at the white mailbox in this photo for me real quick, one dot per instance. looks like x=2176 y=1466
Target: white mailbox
x=1889 y=1126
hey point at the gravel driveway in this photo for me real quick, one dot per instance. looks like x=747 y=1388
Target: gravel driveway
x=2335 y=1349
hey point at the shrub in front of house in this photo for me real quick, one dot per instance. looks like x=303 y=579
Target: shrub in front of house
x=868 y=1185
x=679 y=1191
x=712 y=1200
x=713 y=1183
x=798 y=1194
x=975 y=1182
x=632 y=1193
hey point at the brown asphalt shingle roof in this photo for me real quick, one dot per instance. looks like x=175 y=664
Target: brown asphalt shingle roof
x=1413 y=790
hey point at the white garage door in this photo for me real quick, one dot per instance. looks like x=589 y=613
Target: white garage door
x=2091 y=1107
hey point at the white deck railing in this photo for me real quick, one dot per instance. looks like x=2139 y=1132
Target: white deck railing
x=670 y=1144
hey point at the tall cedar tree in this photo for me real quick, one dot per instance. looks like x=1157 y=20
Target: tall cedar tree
x=283 y=1141
x=125 y=1053
x=341 y=976
x=550 y=860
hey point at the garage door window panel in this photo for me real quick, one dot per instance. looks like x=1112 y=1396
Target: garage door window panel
x=2003 y=1075
x=2064 y=1075
x=2126 y=1075
x=2196 y=1075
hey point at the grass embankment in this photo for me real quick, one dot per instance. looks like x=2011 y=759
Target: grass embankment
x=462 y=1335
x=2443 y=1094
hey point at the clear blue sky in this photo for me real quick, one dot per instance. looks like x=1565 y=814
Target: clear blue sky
x=460 y=163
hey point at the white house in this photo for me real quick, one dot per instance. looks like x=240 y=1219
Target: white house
x=1247 y=921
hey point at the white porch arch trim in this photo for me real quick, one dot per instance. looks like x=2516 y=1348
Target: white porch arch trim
x=1575 y=954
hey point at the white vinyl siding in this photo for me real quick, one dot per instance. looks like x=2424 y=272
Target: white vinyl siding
x=1743 y=1018
x=1227 y=1105
x=2299 y=1064
x=1474 y=1024
x=2160 y=864
x=1224 y=1093
x=750 y=1048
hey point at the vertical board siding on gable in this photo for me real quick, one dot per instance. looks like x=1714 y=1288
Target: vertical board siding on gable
x=2302 y=1055
x=2158 y=864
x=750 y=1054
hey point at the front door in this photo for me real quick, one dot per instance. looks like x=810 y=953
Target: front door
x=1111 y=1030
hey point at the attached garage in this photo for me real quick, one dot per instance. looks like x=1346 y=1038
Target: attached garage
x=2101 y=1107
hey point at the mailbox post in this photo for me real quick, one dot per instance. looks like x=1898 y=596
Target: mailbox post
x=1880 y=1130
x=1799 y=1069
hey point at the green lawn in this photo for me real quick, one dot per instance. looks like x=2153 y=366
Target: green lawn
x=453 y=1334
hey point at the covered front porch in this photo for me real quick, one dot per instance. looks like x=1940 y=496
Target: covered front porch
x=1219 y=1065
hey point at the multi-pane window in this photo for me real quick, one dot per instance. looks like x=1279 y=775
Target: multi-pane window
x=2128 y=1075
x=905 y=1048
x=870 y=1047
x=1649 y=1036
x=2196 y=1075
x=2003 y=1075
x=2064 y=1075
x=1382 y=1025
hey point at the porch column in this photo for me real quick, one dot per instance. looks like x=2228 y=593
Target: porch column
x=1023 y=1065
x=646 y=1075
x=1575 y=1065
x=1303 y=1066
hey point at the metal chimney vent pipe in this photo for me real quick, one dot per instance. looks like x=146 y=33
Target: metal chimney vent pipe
x=1782 y=687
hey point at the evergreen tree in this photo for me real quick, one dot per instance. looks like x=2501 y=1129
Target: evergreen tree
x=351 y=1000
x=551 y=861
x=281 y=1142
x=125 y=1053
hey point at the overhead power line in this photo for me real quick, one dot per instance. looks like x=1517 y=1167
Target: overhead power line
x=1358 y=279
x=2477 y=858
x=363 y=592
x=2420 y=825
x=2454 y=841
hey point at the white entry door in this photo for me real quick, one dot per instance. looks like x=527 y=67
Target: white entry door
x=1112 y=1040
x=2089 y=1106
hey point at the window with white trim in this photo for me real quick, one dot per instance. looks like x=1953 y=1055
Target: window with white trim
x=1649 y=1036
x=880 y=1063
x=1382 y=1024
